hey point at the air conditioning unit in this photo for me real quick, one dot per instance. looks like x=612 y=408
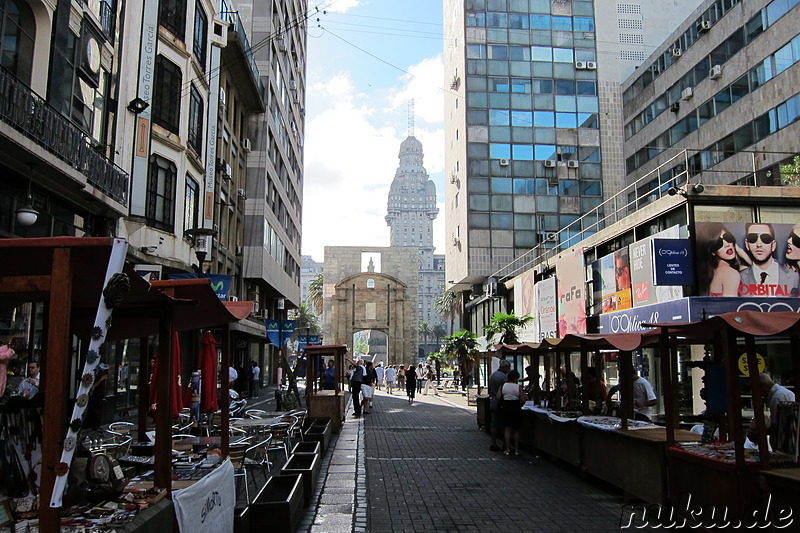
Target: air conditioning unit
x=241 y=194
x=580 y=65
x=591 y=65
x=549 y=163
x=456 y=241
x=491 y=287
x=246 y=146
x=572 y=164
x=282 y=45
x=551 y=236
x=675 y=107
x=453 y=178
x=261 y=314
x=676 y=53
x=293 y=85
x=504 y=162
x=686 y=93
x=703 y=26
x=716 y=72
x=233 y=299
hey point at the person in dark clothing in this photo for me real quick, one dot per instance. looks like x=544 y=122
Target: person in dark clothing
x=411 y=383
x=355 y=387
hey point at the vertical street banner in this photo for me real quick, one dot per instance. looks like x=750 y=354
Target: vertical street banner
x=571 y=286
x=211 y=135
x=525 y=304
x=279 y=331
x=141 y=139
x=546 y=309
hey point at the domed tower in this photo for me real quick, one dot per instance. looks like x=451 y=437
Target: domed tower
x=412 y=203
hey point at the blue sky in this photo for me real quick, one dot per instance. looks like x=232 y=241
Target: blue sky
x=366 y=60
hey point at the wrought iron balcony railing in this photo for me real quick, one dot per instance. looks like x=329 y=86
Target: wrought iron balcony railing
x=29 y=114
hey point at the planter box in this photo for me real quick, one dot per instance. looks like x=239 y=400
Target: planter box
x=308 y=465
x=241 y=520
x=315 y=421
x=321 y=434
x=311 y=446
x=279 y=505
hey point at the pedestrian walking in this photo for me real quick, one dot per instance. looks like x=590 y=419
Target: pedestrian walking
x=391 y=376
x=355 y=387
x=411 y=383
x=349 y=377
x=420 y=375
x=496 y=382
x=380 y=372
x=430 y=378
x=512 y=396
x=401 y=378
x=255 y=379
x=368 y=387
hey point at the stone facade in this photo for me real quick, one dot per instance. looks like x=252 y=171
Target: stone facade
x=358 y=299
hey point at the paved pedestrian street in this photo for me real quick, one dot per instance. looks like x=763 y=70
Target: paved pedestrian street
x=426 y=467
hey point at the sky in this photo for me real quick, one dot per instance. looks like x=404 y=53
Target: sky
x=366 y=59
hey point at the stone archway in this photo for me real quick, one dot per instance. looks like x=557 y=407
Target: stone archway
x=375 y=301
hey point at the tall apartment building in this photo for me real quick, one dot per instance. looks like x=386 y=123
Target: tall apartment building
x=309 y=269
x=533 y=134
x=718 y=101
x=411 y=211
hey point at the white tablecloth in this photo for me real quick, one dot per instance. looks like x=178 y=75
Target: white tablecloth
x=207 y=506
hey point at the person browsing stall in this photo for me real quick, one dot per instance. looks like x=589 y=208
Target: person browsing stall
x=644 y=397
x=29 y=387
x=496 y=381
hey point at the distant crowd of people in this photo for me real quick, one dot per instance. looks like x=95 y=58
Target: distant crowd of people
x=364 y=378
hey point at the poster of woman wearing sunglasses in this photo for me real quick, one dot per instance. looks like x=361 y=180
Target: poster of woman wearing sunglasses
x=736 y=259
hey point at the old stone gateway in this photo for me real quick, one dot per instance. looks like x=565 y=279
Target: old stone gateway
x=358 y=298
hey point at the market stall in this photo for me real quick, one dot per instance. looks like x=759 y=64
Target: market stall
x=322 y=401
x=85 y=283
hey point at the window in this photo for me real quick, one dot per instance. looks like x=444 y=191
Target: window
x=167 y=95
x=17 y=28
x=195 y=137
x=200 y=42
x=191 y=204
x=172 y=15
x=160 y=207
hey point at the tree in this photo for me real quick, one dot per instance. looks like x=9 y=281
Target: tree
x=505 y=325
x=315 y=293
x=438 y=332
x=425 y=332
x=790 y=173
x=462 y=346
x=305 y=318
x=448 y=306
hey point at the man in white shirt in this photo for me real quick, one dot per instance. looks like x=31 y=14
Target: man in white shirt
x=644 y=397
x=391 y=376
x=30 y=385
x=233 y=375
x=420 y=377
x=380 y=373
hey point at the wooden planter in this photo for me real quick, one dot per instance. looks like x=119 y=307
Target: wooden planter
x=315 y=421
x=308 y=465
x=321 y=434
x=310 y=446
x=279 y=505
x=241 y=520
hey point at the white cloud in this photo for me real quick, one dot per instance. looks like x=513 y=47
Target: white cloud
x=423 y=83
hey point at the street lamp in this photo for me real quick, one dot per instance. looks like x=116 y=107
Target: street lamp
x=26 y=215
x=202 y=237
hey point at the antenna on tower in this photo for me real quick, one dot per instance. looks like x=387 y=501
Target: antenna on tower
x=411 y=117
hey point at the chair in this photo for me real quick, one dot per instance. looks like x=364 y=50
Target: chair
x=280 y=438
x=257 y=455
x=236 y=453
x=122 y=435
x=256 y=413
x=296 y=432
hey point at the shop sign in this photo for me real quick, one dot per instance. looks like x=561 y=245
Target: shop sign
x=571 y=286
x=631 y=320
x=643 y=287
x=673 y=261
x=546 y=315
x=705 y=307
x=279 y=331
x=220 y=283
x=745 y=370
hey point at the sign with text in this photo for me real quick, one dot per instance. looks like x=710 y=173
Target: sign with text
x=631 y=320
x=546 y=314
x=673 y=263
x=525 y=304
x=279 y=331
x=643 y=287
x=571 y=286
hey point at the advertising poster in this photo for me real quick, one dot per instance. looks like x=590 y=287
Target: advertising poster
x=546 y=313
x=525 y=303
x=643 y=288
x=748 y=260
x=571 y=288
x=673 y=262
x=611 y=287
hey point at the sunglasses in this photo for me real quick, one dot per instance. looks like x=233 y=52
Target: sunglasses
x=794 y=239
x=766 y=238
x=726 y=237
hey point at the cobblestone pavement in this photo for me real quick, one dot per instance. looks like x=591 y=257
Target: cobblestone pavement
x=426 y=467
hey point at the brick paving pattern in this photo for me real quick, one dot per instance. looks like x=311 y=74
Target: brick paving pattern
x=426 y=467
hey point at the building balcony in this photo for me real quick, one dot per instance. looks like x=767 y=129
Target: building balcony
x=237 y=56
x=24 y=111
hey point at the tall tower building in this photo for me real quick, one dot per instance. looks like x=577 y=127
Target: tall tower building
x=410 y=215
x=533 y=129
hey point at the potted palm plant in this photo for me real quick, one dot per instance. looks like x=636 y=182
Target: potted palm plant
x=504 y=326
